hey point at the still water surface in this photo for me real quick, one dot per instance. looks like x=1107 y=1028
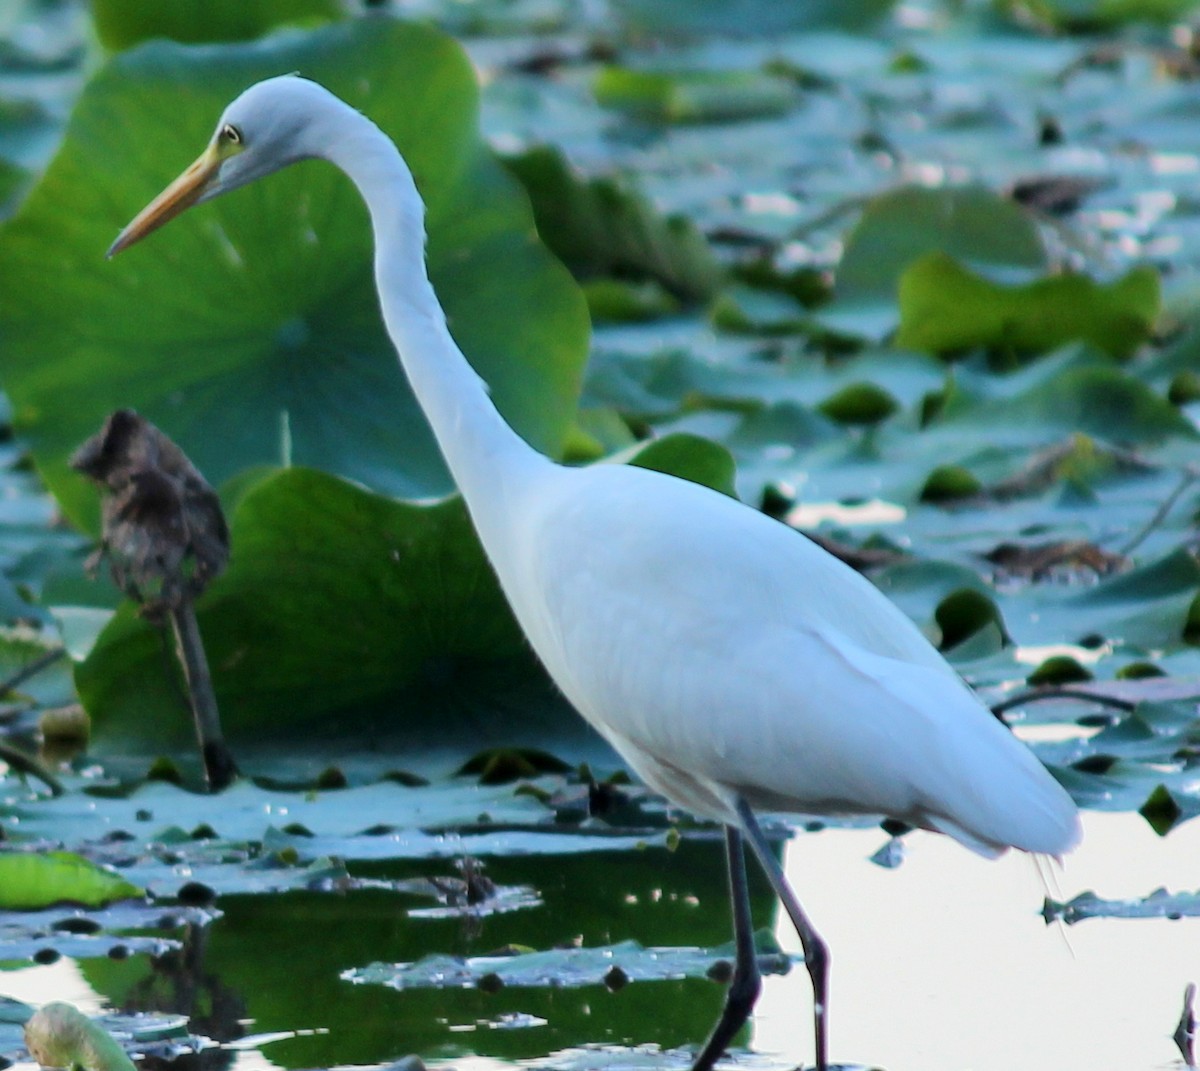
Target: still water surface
x=943 y=964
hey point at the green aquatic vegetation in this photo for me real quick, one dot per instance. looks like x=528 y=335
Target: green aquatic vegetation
x=31 y=880
x=257 y=338
x=944 y=307
x=123 y=23
x=612 y=965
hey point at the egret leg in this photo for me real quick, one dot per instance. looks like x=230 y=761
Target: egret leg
x=746 y=982
x=816 y=952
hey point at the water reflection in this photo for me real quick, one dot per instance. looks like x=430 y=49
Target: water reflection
x=940 y=965
x=945 y=963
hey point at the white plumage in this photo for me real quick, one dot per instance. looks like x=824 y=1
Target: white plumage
x=733 y=663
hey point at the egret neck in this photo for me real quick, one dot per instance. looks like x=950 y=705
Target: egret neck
x=487 y=458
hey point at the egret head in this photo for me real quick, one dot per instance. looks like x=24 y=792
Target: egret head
x=268 y=127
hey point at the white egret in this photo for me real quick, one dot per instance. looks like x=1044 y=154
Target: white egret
x=731 y=662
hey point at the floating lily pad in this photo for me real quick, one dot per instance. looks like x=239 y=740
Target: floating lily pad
x=627 y=961
x=897 y=228
x=600 y=227
x=945 y=307
x=80 y=934
x=29 y=880
x=1160 y=904
x=693 y=96
x=358 y=614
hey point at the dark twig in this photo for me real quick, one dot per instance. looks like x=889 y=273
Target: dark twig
x=219 y=767
x=1035 y=695
x=30 y=669
x=27 y=764
x=1190 y=476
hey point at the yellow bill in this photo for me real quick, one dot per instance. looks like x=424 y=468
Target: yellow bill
x=184 y=192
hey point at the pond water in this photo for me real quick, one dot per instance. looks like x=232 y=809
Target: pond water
x=943 y=963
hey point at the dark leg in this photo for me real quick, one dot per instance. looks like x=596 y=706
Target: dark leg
x=746 y=983
x=816 y=952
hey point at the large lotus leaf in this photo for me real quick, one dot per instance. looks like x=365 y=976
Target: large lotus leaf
x=971 y=223
x=945 y=306
x=121 y=23
x=337 y=600
x=351 y=610
x=249 y=330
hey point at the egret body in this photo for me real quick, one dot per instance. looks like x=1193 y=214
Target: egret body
x=730 y=661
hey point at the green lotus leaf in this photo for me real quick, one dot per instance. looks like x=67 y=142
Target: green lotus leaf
x=353 y=611
x=691 y=457
x=601 y=228
x=249 y=330
x=859 y=403
x=738 y=17
x=337 y=601
x=945 y=306
x=693 y=96
x=122 y=23
x=972 y=223
x=30 y=881
x=1092 y=16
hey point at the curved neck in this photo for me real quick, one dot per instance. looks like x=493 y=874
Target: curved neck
x=485 y=456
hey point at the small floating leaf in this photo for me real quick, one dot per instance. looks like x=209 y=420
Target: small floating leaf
x=1059 y=669
x=859 y=403
x=694 y=96
x=29 y=881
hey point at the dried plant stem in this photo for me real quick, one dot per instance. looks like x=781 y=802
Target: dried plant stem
x=1189 y=477
x=1038 y=695
x=47 y=658
x=27 y=764
x=219 y=767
